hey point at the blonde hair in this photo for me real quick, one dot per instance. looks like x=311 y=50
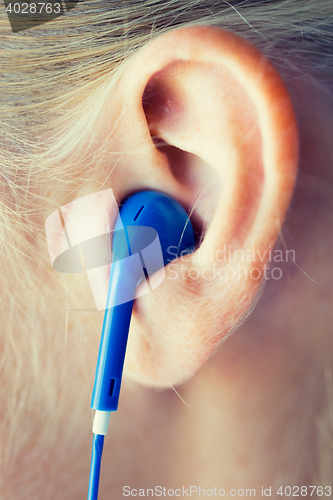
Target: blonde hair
x=54 y=82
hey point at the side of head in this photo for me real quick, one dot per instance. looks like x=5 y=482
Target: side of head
x=201 y=114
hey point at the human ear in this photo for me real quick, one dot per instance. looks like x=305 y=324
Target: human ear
x=201 y=114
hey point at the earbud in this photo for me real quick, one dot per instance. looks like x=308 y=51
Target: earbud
x=152 y=229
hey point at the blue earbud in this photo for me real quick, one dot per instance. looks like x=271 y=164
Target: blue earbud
x=152 y=229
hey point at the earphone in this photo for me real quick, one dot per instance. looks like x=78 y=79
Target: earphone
x=149 y=225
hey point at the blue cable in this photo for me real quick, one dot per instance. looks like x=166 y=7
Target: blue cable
x=95 y=466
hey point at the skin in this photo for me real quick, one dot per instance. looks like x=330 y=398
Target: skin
x=245 y=416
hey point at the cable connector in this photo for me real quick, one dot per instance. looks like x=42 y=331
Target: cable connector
x=101 y=422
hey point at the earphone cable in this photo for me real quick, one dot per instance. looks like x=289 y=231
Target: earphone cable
x=95 y=466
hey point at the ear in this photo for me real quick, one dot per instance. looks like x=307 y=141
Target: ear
x=201 y=114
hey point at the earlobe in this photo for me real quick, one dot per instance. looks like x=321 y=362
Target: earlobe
x=216 y=127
